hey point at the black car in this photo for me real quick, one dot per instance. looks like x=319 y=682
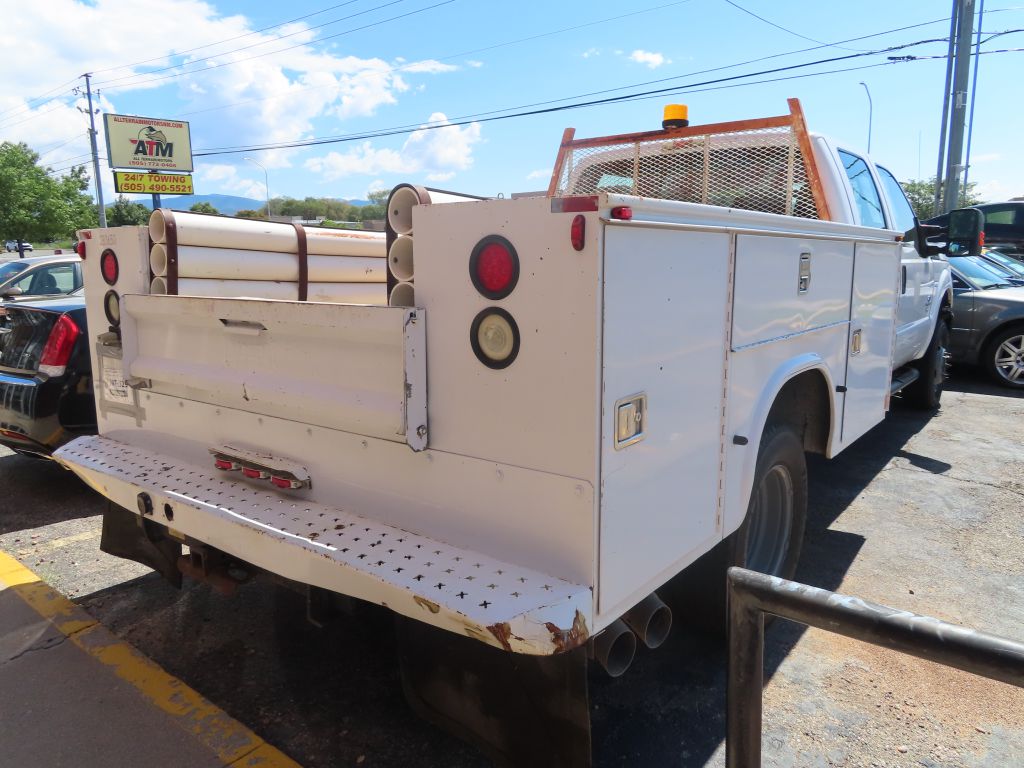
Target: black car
x=46 y=390
x=1004 y=226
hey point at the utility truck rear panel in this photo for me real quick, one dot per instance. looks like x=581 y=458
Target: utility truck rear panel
x=565 y=401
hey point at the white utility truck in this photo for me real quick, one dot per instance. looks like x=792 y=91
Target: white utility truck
x=554 y=405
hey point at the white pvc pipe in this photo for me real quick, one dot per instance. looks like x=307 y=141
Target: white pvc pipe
x=158 y=259
x=402 y=295
x=338 y=293
x=256 y=235
x=400 y=260
x=405 y=197
x=237 y=264
x=158 y=286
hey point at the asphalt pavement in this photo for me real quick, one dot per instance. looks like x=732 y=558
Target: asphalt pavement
x=923 y=514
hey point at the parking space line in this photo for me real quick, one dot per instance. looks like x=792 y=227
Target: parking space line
x=232 y=743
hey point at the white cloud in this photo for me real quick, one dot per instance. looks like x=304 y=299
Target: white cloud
x=230 y=179
x=474 y=64
x=544 y=173
x=429 y=66
x=437 y=153
x=591 y=52
x=995 y=191
x=649 y=58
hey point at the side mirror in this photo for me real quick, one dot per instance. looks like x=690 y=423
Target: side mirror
x=13 y=291
x=966 y=232
x=920 y=234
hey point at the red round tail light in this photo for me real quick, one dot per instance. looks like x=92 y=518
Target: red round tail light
x=80 y=249
x=494 y=267
x=108 y=266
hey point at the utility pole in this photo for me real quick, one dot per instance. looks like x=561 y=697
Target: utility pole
x=939 y=175
x=95 y=152
x=961 y=76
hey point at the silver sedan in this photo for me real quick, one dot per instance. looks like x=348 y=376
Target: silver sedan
x=988 y=320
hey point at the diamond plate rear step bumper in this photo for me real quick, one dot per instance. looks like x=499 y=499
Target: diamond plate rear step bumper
x=500 y=604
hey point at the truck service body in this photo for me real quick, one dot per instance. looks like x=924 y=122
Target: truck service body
x=521 y=466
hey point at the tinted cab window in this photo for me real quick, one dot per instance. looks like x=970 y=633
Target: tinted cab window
x=865 y=194
x=901 y=210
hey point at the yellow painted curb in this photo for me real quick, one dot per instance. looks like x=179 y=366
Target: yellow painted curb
x=232 y=743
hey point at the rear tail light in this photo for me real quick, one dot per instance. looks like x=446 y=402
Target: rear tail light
x=494 y=267
x=80 y=248
x=494 y=336
x=112 y=308
x=109 y=267
x=578 y=231
x=57 y=351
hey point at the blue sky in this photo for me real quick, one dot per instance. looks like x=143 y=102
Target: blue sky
x=404 y=63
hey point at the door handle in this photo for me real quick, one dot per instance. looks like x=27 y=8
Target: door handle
x=243 y=327
x=804 y=281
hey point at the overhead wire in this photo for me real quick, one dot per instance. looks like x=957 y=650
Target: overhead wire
x=112 y=83
x=787 y=30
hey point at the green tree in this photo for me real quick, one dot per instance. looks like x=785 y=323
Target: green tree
x=203 y=207
x=250 y=214
x=124 y=212
x=36 y=206
x=921 y=194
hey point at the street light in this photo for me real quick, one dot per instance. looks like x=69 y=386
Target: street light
x=870 y=110
x=266 y=180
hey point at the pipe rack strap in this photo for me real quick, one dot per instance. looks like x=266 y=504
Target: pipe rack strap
x=300 y=233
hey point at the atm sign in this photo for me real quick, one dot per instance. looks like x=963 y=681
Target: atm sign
x=153 y=183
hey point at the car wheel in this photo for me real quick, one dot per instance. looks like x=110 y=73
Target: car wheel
x=1004 y=357
x=769 y=540
x=926 y=392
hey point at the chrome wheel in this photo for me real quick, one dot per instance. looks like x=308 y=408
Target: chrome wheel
x=1008 y=360
x=771 y=522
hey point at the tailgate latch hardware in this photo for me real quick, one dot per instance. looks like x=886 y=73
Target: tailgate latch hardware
x=630 y=420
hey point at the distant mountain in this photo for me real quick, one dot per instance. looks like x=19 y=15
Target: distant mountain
x=229 y=205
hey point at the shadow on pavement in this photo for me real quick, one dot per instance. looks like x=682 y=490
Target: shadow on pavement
x=38 y=492
x=976 y=381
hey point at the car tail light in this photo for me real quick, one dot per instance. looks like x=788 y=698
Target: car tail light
x=494 y=267
x=578 y=231
x=112 y=308
x=80 y=249
x=57 y=351
x=494 y=336
x=109 y=267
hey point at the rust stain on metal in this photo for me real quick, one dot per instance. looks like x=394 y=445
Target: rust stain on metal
x=567 y=639
x=430 y=605
x=503 y=632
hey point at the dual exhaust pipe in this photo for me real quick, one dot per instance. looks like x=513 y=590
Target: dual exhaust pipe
x=650 y=622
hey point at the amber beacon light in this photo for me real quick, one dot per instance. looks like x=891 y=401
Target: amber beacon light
x=675 y=116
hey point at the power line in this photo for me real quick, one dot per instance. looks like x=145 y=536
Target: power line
x=108 y=83
x=787 y=30
x=228 y=39
x=541 y=108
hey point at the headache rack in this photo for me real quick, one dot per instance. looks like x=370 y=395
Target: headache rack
x=762 y=165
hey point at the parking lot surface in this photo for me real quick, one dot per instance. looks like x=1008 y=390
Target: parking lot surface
x=923 y=514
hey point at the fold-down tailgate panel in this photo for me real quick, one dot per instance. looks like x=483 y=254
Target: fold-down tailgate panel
x=356 y=368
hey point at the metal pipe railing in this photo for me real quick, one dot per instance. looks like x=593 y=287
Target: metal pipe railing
x=752 y=594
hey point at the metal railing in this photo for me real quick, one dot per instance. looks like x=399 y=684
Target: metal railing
x=751 y=595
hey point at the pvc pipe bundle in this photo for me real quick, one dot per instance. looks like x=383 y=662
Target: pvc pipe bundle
x=402 y=200
x=201 y=255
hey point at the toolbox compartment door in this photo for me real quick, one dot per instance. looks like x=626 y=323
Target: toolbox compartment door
x=360 y=369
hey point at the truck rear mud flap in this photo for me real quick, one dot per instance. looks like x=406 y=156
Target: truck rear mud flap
x=503 y=605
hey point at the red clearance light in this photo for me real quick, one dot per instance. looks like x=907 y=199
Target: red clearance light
x=57 y=351
x=255 y=474
x=109 y=267
x=80 y=248
x=622 y=212
x=225 y=464
x=285 y=482
x=574 y=204
x=494 y=267
x=578 y=231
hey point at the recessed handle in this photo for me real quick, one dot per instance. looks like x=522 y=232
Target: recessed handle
x=243 y=327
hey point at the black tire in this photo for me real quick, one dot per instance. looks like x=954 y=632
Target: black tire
x=1003 y=357
x=769 y=540
x=926 y=392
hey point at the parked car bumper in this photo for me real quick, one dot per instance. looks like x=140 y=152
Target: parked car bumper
x=38 y=414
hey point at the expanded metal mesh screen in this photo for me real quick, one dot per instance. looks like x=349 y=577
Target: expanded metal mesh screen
x=757 y=170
